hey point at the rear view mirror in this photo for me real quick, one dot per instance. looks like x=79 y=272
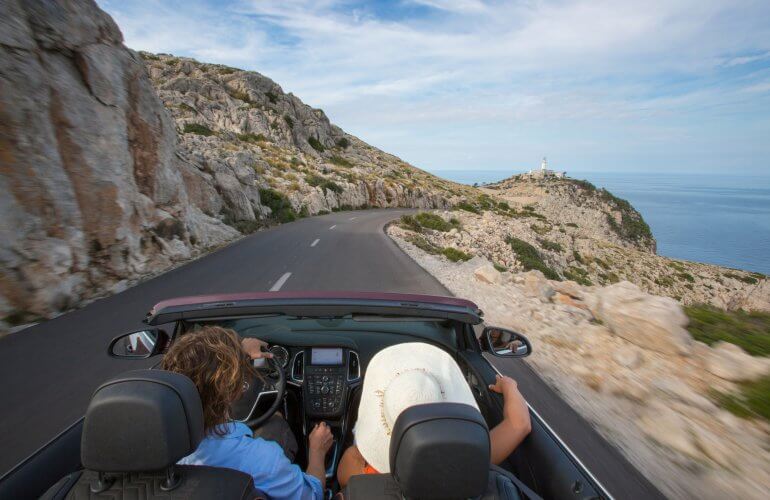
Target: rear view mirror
x=138 y=345
x=505 y=343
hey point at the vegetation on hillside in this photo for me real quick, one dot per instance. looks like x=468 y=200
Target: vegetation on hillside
x=197 y=128
x=751 y=401
x=530 y=258
x=278 y=203
x=749 y=331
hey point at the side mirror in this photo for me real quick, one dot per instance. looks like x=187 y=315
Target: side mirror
x=138 y=345
x=505 y=343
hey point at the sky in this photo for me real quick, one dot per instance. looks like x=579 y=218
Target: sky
x=639 y=86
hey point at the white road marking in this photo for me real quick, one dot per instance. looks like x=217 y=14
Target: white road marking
x=315 y=243
x=280 y=282
x=333 y=226
x=353 y=218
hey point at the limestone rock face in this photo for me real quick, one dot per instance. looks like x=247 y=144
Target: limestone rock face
x=242 y=124
x=730 y=362
x=655 y=323
x=91 y=191
x=488 y=274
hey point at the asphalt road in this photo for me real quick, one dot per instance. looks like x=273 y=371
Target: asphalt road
x=49 y=371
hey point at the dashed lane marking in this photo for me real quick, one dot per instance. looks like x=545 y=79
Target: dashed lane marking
x=315 y=242
x=280 y=282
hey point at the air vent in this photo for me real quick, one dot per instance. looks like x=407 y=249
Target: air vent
x=298 y=367
x=354 y=366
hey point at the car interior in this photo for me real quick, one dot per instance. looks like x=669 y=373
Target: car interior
x=141 y=422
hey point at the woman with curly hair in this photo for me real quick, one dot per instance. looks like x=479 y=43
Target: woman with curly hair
x=219 y=363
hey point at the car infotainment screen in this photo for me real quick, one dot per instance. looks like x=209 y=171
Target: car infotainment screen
x=326 y=356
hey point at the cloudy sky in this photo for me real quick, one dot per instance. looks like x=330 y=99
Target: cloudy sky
x=653 y=85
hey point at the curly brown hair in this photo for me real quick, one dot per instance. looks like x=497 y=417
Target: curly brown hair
x=214 y=360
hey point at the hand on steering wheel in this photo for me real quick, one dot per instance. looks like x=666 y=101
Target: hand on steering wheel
x=269 y=380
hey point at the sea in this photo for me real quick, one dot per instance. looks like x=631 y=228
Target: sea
x=712 y=218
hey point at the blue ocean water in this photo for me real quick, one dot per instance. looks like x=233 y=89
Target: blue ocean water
x=718 y=219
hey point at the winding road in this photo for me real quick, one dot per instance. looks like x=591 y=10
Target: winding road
x=49 y=371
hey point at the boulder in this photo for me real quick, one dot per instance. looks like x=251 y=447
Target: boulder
x=628 y=357
x=535 y=285
x=488 y=274
x=670 y=429
x=655 y=323
x=730 y=362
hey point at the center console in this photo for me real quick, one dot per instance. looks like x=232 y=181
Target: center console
x=326 y=375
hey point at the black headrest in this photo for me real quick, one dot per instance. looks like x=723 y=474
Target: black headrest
x=440 y=450
x=142 y=420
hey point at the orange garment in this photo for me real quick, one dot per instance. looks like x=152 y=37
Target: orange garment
x=368 y=469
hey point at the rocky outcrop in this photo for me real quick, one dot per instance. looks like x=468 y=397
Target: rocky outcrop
x=522 y=227
x=234 y=119
x=92 y=191
x=622 y=358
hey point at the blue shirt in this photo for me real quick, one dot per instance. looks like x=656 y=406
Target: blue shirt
x=265 y=461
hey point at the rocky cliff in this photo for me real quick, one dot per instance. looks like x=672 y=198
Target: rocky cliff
x=91 y=186
x=100 y=183
x=249 y=137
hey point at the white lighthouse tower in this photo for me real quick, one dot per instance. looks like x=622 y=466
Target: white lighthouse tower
x=544 y=166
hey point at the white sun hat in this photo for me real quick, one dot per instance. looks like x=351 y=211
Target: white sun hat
x=397 y=378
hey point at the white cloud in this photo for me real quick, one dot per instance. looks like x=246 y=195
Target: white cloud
x=485 y=67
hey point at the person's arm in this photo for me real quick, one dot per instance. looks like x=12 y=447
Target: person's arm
x=351 y=463
x=321 y=440
x=507 y=435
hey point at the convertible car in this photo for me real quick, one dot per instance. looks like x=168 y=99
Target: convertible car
x=141 y=422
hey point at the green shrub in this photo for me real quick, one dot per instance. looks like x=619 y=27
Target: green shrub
x=752 y=401
x=316 y=180
x=571 y=224
x=323 y=212
x=686 y=276
x=288 y=121
x=226 y=71
x=149 y=57
x=501 y=268
x=240 y=95
x=172 y=62
x=342 y=162
x=551 y=245
x=578 y=275
x=197 y=128
x=343 y=143
x=423 y=244
x=455 y=255
x=577 y=257
x=316 y=144
x=409 y=222
x=278 y=204
x=433 y=221
x=749 y=331
x=252 y=138
x=665 y=281
x=676 y=265
x=746 y=279
x=464 y=205
x=271 y=96
x=530 y=258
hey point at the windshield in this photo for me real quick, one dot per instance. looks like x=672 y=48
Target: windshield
x=437 y=330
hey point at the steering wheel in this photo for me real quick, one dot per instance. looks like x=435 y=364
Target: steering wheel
x=270 y=379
